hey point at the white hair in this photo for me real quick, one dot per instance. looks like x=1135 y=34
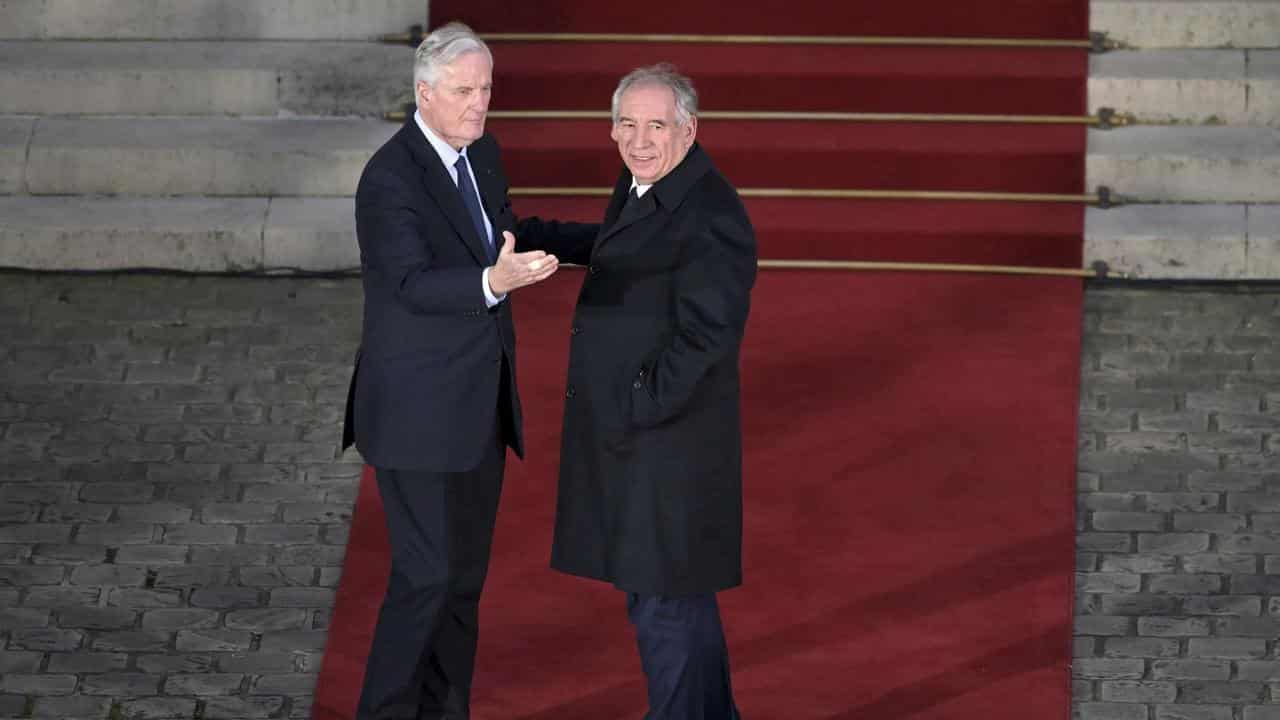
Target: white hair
x=665 y=75
x=444 y=45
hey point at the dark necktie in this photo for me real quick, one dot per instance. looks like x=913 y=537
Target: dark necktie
x=630 y=207
x=468 y=191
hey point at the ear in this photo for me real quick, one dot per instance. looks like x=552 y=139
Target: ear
x=613 y=132
x=423 y=92
x=690 y=131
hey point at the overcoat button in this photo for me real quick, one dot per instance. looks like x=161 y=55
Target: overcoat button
x=594 y=269
x=636 y=385
x=569 y=393
x=575 y=330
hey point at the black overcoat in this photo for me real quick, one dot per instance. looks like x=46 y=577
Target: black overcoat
x=650 y=494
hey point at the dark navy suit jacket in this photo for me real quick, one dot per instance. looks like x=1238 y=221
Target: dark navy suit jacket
x=425 y=391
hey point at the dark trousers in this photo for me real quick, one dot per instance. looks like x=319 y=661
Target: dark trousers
x=424 y=646
x=684 y=656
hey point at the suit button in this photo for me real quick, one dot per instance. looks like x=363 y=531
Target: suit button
x=570 y=393
x=641 y=373
x=575 y=330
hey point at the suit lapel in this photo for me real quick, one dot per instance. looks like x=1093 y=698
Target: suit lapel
x=492 y=194
x=443 y=191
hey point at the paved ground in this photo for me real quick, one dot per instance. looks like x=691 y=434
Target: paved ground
x=173 y=508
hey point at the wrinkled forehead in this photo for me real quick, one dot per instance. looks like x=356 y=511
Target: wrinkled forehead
x=649 y=101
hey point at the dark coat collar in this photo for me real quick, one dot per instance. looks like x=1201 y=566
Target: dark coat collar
x=667 y=193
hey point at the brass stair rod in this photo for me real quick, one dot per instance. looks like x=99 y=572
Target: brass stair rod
x=1096 y=42
x=681 y=38
x=1099 y=198
x=1100 y=270
x=1105 y=118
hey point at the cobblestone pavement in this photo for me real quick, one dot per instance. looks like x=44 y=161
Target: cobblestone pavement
x=173 y=508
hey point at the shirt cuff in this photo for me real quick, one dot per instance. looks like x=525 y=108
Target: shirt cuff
x=489 y=298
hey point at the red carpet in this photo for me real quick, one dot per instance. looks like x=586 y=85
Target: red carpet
x=889 y=156
x=910 y=438
x=904 y=558
x=957 y=18
x=538 y=75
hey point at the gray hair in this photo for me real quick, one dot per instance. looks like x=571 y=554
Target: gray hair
x=444 y=45
x=665 y=75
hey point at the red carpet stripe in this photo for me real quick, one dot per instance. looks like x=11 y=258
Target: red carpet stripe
x=996 y=233
x=956 y=18
x=898 y=156
x=582 y=76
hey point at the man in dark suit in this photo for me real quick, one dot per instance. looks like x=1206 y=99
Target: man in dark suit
x=650 y=495
x=433 y=402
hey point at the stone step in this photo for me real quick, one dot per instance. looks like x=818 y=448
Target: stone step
x=207 y=19
x=324 y=157
x=201 y=156
x=1235 y=87
x=1215 y=87
x=317 y=235
x=203 y=78
x=1227 y=242
x=1139 y=23
x=15 y=137
x=1188 y=23
x=1187 y=164
x=1264 y=241
x=189 y=234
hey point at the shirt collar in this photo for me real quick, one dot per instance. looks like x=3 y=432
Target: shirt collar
x=640 y=189
x=447 y=154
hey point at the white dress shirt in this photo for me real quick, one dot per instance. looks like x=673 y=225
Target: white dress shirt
x=449 y=156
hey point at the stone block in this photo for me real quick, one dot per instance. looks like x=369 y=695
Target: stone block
x=1172 y=241
x=1163 y=164
x=1179 y=86
x=78 y=233
x=209 y=19
x=1188 y=23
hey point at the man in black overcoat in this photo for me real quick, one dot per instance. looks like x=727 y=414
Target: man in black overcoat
x=650 y=495
x=433 y=402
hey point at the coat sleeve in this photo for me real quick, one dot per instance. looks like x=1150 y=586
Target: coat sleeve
x=713 y=295
x=569 y=242
x=394 y=245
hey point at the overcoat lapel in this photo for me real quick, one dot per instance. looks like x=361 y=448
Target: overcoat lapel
x=669 y=192
x=613 y=224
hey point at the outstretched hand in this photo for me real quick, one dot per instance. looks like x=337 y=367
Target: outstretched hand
x=516 y=270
